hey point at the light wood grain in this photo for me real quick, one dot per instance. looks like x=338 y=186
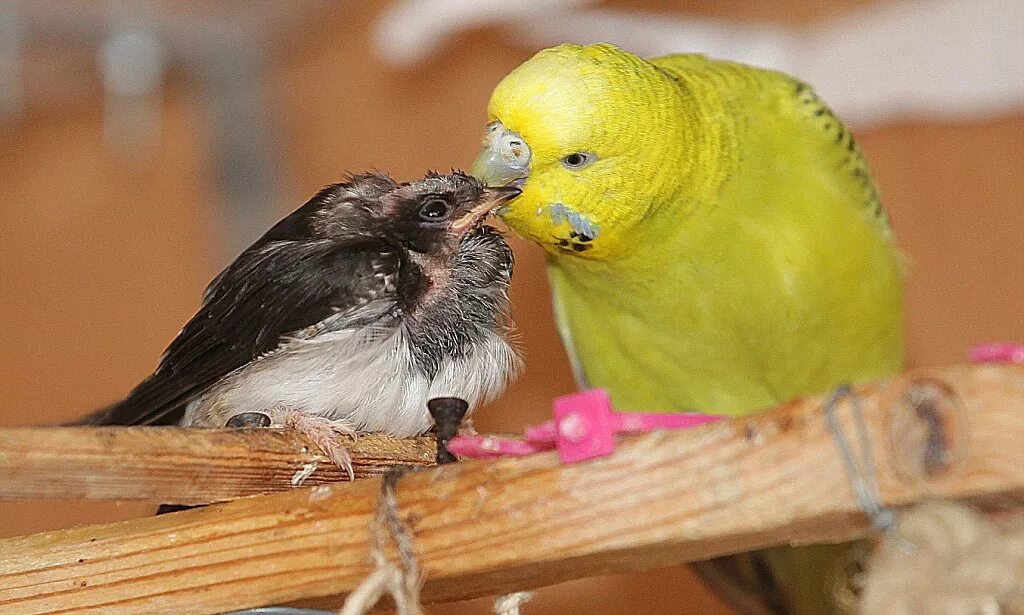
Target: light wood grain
x=179 y=466
x=489 y=527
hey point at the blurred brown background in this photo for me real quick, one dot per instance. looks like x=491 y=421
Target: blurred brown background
x=104 y=253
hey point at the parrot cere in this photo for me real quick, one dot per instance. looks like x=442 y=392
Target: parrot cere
x=347 y=316
x=715 y=240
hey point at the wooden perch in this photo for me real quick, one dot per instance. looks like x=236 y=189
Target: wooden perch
x=180 y=466
x=490 y=527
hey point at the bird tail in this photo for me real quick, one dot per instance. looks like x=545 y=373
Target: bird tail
x=129 y=411
x=103 y=416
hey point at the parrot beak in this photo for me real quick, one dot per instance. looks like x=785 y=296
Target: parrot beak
x=505 y=157
x=494 y=197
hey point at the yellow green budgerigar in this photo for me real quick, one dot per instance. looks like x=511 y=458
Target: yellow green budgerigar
x=715 y=240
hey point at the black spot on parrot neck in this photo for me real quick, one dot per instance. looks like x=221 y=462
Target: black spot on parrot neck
x=575 y=242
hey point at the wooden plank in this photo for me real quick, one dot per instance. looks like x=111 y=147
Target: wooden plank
x=177 y=465
x=490 y=527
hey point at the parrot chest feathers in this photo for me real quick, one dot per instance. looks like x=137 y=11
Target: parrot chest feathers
x=736 y=328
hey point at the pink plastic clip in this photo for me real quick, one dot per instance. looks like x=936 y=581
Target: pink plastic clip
x=997 y=353
x=487 y=447
x=584 y=427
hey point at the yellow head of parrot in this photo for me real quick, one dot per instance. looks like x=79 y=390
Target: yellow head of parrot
x=593 y=135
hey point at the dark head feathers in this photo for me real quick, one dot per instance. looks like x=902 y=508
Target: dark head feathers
x=370 y=190
x=419 y=215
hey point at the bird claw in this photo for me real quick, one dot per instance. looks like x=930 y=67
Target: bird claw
x=324 y=433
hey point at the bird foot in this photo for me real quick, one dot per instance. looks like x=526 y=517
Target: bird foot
x=324 y=433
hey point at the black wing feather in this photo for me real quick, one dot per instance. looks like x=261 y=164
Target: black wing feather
x=274 y=289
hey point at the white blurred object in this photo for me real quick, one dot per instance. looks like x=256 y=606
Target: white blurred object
x=133 y=62
x=943 y=59
x=412 y=30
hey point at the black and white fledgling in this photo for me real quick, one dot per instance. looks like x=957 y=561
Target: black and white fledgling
x=347 y=316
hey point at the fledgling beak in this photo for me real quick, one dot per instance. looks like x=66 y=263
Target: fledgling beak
x=504 y=159
x=493 y=198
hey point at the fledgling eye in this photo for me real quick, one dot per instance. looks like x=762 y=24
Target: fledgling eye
x=434 y=210
x=578 y=160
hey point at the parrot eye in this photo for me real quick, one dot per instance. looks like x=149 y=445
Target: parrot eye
x=434 y=210
x=578 y=160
